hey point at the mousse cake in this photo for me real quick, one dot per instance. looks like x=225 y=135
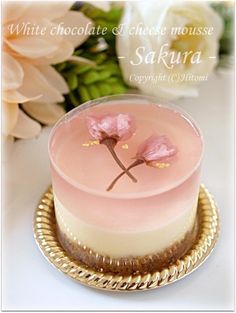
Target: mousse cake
x=126 y=175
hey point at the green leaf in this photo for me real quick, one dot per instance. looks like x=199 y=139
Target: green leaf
x=226 y=12
x=88 y=82
x=105 y=24
x=91 y=11
x=114 y=14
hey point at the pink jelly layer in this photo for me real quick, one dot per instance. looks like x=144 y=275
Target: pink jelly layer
x=138 y=214
x=81 y=174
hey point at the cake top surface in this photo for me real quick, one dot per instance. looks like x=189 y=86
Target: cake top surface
x=80 y=155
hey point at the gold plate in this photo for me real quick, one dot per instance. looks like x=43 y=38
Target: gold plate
x=46 y=238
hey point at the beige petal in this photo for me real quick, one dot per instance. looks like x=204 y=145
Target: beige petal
x=10 y=116
x=13 y=10
x=79 y=26
x=64 y=51
x=12 y=73
x=35 y=84
x=103 y=5
x=54 y=78
x=50 y=10
x=81 y=60
x=46 y=113
x=13 y=96
x=25 y=127
x=32 y=47
x=31 y=27
x=7 y=147
x=35 y=44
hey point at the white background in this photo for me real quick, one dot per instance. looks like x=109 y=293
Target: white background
x=31 y=283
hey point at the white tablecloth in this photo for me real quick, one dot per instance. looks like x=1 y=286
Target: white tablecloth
x=31 y=283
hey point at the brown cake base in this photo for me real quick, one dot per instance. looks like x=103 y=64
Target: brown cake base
x=129 y=265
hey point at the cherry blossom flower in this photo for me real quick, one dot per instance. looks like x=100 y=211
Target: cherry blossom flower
x=156 y=149
x=153 y=150
x=117 y=126
x=111 y=128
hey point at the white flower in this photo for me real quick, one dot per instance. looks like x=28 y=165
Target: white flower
x=28 y=76
x=156 y=73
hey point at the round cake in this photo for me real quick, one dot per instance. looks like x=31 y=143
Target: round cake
x=125 y=176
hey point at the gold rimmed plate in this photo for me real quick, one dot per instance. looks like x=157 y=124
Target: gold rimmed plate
x=47 y=240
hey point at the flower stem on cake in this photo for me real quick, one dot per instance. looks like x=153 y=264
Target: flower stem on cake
x=156 y=151
x=111 y=128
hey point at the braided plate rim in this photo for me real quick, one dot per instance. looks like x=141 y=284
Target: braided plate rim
x=46 y=238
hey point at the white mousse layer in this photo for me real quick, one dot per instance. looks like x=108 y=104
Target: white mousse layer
x=118 y=244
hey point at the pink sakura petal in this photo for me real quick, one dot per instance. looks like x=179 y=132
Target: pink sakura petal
x=108 y=125
x=118 y=126
x=93 y=127
x=156 y=148
x=125 y=126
